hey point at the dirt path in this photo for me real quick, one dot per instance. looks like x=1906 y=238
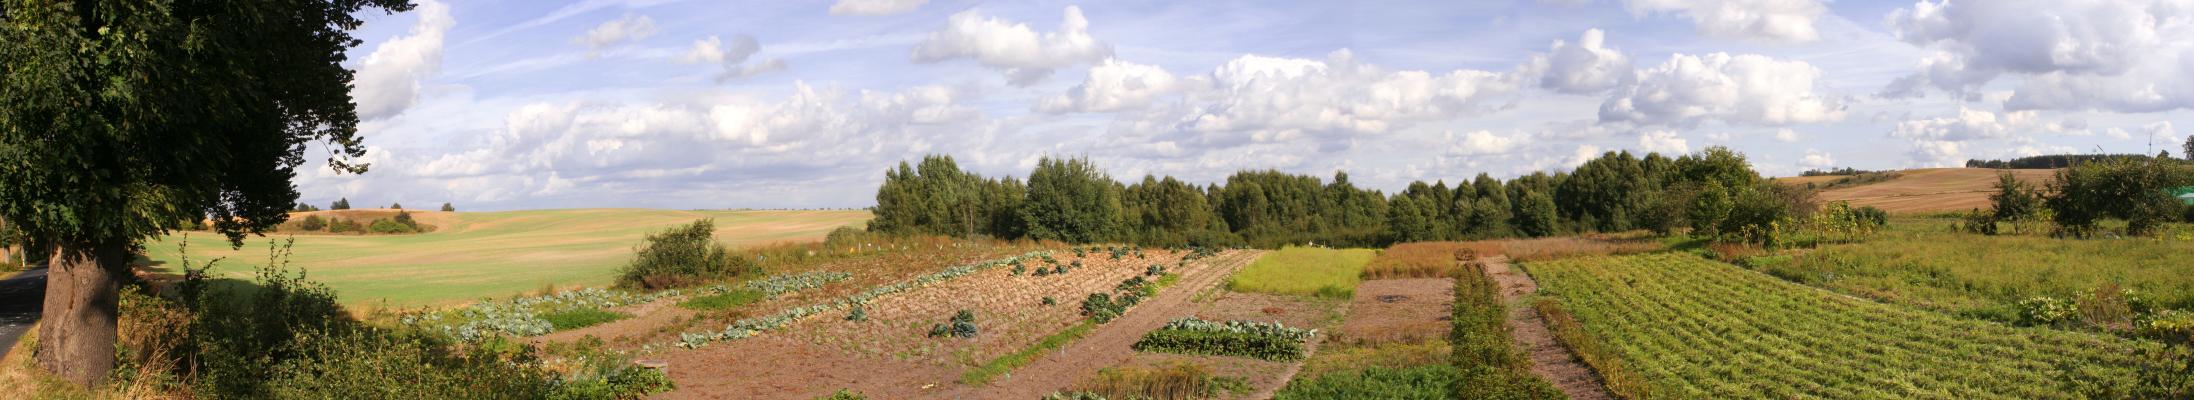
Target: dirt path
x=1549 y=358
x=1292 y=368
x=1110 y=343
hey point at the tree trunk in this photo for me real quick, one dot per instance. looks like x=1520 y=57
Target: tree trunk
x=77 y=331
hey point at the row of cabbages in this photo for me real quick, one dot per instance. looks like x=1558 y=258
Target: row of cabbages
x=779 y=285
x=746 y=328
x=521 y=317
x=1273 y=329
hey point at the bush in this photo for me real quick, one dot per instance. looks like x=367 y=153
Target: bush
x=382 y=226
x=342 y=225
x=682 y=256
x=312 y=223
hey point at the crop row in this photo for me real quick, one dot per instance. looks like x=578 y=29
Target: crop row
x=1261 y=340
x=522 y=316
x=749 y=327
x=1694 y=328
x=781 y=284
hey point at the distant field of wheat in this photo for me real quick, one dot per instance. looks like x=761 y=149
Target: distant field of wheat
x=488 y=254
x=1694 y=328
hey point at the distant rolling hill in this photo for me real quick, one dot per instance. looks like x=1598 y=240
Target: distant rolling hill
x=472 y=255
x=1920 y=191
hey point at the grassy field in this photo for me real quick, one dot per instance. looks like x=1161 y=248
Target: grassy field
x=1921 y=262
x=490 y=254
x=1920 y=191
x=1306 y=271
x=1694 y=328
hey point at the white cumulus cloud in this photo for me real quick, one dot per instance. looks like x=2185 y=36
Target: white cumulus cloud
x=1114 y=85
x=1746 y=88
x=1816 y=159
x=1587 y=66
x=1025 y=55
x=2128 y=56
x=1664 y=142
x=389 y=79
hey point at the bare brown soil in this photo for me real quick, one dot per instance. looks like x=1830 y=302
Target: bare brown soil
x=801 y=363
x=1399 y=310
x=1110 y=344
x=1549 y=359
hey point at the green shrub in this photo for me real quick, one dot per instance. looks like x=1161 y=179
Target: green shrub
x=682 y=256
x=724 y=301
x=312 y=223
x=581 y=318
x=343 y=225
x=382 y=226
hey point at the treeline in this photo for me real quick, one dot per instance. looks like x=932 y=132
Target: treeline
x=2055 y=161
x=2137 y=191
x=1847 y=171
x=344 y=204
x=1714 y=193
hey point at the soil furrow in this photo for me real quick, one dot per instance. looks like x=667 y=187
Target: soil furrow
x=1549 y=358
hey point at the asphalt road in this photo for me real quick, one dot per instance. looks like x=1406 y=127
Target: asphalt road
x=21 y=298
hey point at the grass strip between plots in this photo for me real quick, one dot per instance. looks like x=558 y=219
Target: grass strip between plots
x=1006 y=363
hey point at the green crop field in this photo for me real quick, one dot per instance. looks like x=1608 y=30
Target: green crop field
x=1922 y=263
x=1304 y=271
x=1695 y=328
x=490 y=254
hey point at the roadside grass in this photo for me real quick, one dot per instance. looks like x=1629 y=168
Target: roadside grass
x=581 y=318
x=489 y=254
x=1304 y=271
x=1923 y=263
x=725 y=301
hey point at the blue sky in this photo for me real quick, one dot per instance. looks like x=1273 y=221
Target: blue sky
x=497 y=105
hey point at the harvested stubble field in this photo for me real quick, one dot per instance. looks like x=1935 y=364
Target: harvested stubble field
x=1694 y=328
x=487 y=254
x=1926 y=190
x=1009 y=309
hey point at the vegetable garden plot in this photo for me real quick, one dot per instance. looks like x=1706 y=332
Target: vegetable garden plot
x=1694 y=328
x=1009 y=309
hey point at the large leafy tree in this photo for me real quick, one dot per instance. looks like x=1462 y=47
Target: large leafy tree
x=121 y=120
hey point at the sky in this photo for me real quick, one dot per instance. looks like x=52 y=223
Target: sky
x=527 y=104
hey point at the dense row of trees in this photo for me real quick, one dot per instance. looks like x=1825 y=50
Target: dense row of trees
x=1714 y=192
x=2138 y=191
x=2055 y=161
x=344 y=204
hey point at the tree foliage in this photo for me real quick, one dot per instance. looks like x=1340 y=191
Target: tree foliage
x=1715 y=192
x=2138 y=192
